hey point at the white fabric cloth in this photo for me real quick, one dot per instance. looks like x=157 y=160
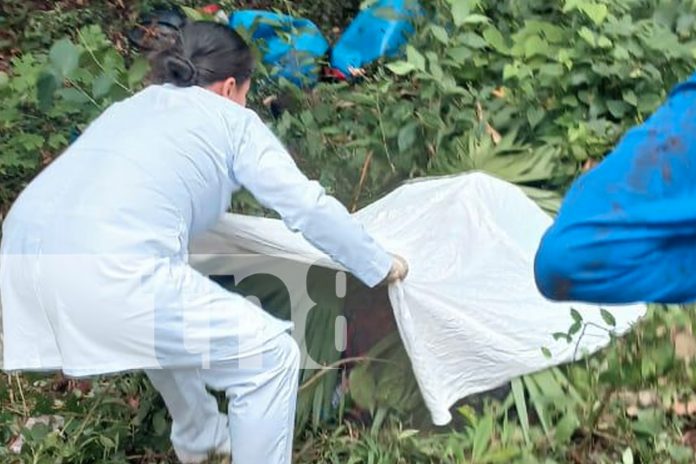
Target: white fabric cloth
x=94 y=274
x=469 y=313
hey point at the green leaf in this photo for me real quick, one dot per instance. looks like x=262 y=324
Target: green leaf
x=617 y=108
x=604 y=42
x=472 y=40
x=64 y=56
x=597 y=12
x=535 y=115
x=546 y=352
x=407 y=136
x=535 y=45
x=362 y=387
x=137 y=71
x=73 y=95
x=495 y=39
x=46 y=86
x=439 y=33
x=159 y=423
x=629 y=96
x=483 y=434
x=588 y=36
x=460 y=11
x=608 y=317
x=510 y=71
x=4 y=79
x=102 y=84
x=401 y=68
x=566 y=427
x=192 y=13
x=106 y=442
x=575 y=315
x=521 y=407
x=415 y=58
x=476 y=19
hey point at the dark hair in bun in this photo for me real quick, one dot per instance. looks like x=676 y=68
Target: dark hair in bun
x=204 y=53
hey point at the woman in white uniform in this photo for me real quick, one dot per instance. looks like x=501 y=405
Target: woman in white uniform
x=94 y=275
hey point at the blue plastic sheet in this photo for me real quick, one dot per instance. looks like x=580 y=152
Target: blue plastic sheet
x=292 y=46
x=378 y=31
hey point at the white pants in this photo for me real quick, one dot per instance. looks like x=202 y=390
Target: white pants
x=262 y=394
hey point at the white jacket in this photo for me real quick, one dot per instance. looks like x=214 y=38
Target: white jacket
x=94 y=273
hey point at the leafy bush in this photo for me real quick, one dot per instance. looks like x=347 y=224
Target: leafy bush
x=50 y=97
x=526 y=90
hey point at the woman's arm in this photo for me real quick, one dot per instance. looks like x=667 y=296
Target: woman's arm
x=263 y=166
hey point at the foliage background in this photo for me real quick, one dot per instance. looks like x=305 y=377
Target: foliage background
x=529 y=90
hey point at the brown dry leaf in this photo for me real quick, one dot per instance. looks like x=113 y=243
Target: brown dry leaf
x=684 y=346
x=495 y=135
x=648 y=398
x=632 y=411
x=680 y=409
x=499 y=92
x=691 y=406
x=589 y=164
x=689 y=439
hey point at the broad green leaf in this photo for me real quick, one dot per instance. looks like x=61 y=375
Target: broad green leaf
x=535 y=45
x=46 y=86
x=407 y=136
x=604 y=42
x=73 y=95
x=617 y=108
x=362 y=387
x=460 y=11
x=535 y=115
x=4 y=79
x=546 y=352
x=577 y=317
x=575 y=328
x=137 y=71
x=566 y=427
x=473 y=40
x=510 y=71
x=495 y=39
x=401 y=68
x=102 y=84
x=476 y=19
x=64 y=56
x=415 y=58
x=597 y=12
x=439 y=33
x=629 y=96
x=588 y=36
x=192 y=13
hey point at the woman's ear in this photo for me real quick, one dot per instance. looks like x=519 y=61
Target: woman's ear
x=229 y=88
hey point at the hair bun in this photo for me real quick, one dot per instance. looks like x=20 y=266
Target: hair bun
x=180 y=71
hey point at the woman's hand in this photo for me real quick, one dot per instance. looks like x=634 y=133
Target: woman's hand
x=398 y=271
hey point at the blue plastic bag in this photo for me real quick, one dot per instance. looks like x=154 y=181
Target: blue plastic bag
x=378 y=31
x=293 y=46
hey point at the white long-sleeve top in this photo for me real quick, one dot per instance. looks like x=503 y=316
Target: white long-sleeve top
x=165 y=163
x=122 y=203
